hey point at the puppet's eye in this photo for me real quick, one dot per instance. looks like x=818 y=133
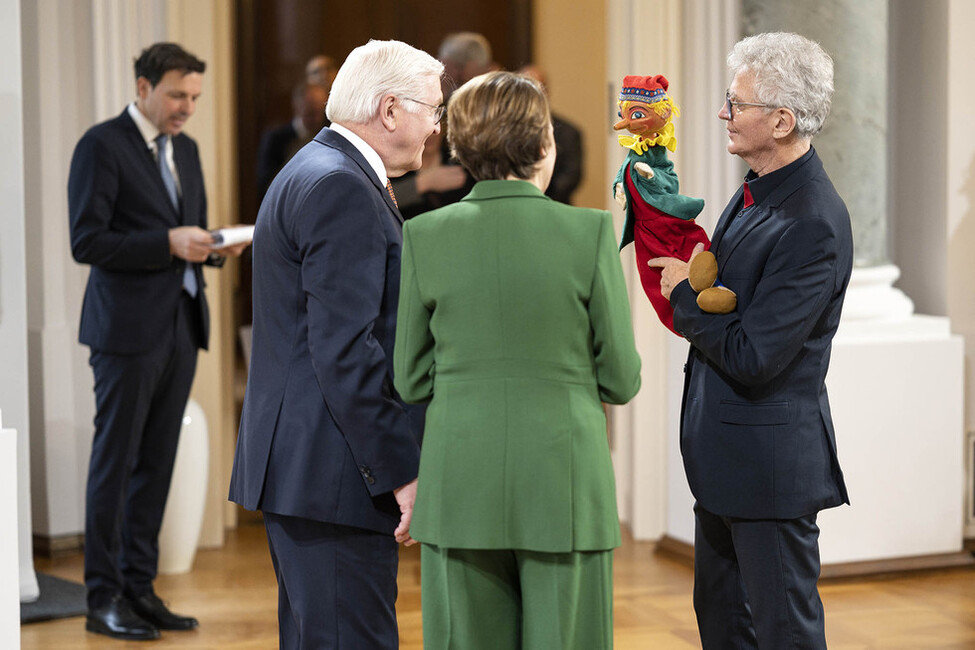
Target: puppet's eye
x=619 y=114
x=637 y=115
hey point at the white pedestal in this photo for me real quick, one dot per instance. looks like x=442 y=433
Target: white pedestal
x=895 y=390
x=9 y=565
x=183 y=516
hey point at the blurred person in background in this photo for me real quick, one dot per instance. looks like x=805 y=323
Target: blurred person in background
x=441 y=181
x=281 y=142
x=568 y=147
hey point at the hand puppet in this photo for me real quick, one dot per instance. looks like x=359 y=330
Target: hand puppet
x=659 y=219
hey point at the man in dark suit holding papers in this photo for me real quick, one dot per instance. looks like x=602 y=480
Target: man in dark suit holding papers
x=756 y=432
x=138 y=217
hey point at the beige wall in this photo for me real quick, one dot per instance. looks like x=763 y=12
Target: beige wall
x=206 y=29
x=569 y=43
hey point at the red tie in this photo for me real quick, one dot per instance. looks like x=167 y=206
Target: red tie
x=749 y=201
x=389 y=188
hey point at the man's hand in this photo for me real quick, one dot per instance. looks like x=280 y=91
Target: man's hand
x=441 y=178
x=405 y=496
x=231 y=251
x=190 y=243
x=673 y=271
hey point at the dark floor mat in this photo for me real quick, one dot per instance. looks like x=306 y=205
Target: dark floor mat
x=59 y=599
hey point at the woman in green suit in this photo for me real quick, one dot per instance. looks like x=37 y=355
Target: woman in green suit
x=514 y=324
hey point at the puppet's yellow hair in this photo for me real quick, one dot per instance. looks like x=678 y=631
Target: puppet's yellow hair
x=660 y=108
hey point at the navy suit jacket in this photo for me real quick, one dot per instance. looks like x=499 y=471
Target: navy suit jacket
x=756 y=432
x=120 y=216
x=323 y=434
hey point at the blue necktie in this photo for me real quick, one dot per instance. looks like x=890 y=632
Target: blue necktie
x=189 y=274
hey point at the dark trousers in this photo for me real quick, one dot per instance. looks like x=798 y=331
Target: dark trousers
x=139 y=405
x=755 y=583
x=336 y=585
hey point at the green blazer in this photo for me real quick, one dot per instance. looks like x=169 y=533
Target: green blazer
x=514 y=324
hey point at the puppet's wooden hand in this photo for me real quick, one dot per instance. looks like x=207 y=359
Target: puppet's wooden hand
x=620 y=195
x=644 y=170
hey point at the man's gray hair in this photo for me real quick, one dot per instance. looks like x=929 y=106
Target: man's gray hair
x=464 y=47
x=790 y=71
x=375 y=69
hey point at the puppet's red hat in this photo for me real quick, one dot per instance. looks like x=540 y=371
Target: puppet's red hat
x=648 y=90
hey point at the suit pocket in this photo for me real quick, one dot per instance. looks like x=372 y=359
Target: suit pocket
x=767 y=414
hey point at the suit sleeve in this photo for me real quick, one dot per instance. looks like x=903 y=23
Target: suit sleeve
x=93 y=190
x=343 y=249
x=755 y=345
x=614 y=349
x=413 y=361
x=568 y=163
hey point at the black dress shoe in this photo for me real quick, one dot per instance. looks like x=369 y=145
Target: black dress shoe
x=117 y=620
x=154 y=610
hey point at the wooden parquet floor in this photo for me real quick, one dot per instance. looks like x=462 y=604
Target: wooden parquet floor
x=233 y=592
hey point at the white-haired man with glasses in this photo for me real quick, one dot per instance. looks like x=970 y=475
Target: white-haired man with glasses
x=756 y=432
x=327 y=450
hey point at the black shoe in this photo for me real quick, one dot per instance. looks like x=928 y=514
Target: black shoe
x=117 y=620
x=154 y=610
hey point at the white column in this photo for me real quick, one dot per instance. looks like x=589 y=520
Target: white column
x=895 y=377
x=68 y=87
x=10 y=590
x=13 y=287
x=687 y=43
x=960 y=204
x=710 y=172
x=639 y=429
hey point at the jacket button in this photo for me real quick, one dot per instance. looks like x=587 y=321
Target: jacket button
x=367 y=474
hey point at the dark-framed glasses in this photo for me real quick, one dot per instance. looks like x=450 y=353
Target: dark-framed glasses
x=438 y=111
x=731 y=106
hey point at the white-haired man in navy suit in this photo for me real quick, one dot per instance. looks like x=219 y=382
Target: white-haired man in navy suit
x=756 y=432
x=327 y=450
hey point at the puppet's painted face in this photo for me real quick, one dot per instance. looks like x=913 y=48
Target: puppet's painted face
x=639 y=119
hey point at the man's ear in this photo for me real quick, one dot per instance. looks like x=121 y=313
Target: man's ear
x=785 y=123
x=143 y=87
x=386 y=113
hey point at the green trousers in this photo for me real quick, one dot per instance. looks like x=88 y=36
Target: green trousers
x=511 y=599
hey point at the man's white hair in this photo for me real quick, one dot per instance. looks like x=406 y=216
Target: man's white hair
x=790 y=71
x=375 y=69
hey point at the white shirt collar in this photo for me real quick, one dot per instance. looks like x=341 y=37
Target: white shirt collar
x=367 y=152
x=146 y=128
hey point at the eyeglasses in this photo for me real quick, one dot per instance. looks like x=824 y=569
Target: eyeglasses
x=730 y=107
x=438 y=111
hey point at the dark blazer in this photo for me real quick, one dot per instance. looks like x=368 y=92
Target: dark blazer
x=756 y=432
x=568 y=160
x=271 y=153
x=323 y=434
x=120 y=215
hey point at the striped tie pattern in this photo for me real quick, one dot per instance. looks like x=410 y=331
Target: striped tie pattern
x=189 y=272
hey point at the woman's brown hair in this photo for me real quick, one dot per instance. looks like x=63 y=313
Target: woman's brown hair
x=498 y=124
